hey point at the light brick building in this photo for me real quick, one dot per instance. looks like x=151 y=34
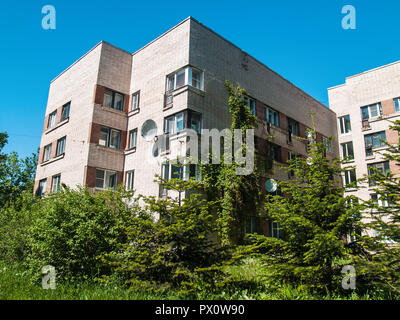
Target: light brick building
x=97 y=106
x=365 y=105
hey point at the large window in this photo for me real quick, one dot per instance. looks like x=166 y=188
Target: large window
x=371 y=111
x=374 y=140
x=178 y=171
x=55 y=183
x=47 y=152
x=114 y=100
x=276 y=230
x=52 y=119
x=251 y=224
x=345 y=125
x=135 y=100
x=275 y=152
x=65 y=111
x=60 y=146
x=110 y=137
x=133 y=138
x=129 y=180
x=293 y=127
x=183 y=120
x=375 y=168
x=397 y=104
x=186 y=76
x=106 y=179
x=377 y=198
x=350 y=178
x=41 y=191
x=272 y=116
x=251 y=103
x=327 y=143
x=347 y=150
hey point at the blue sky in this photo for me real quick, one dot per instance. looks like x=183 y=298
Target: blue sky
x=301 y=40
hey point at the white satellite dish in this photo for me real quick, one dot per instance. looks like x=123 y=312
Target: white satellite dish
x=149 y=130
x=309 y=161
x=271 y=185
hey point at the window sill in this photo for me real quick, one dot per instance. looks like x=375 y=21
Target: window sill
x=109 y=149
x=133 y=112
x=348 y=161
x=48 y=130
x=130 y=151
x=350 y=189
x=115 y=111
x=52 y=160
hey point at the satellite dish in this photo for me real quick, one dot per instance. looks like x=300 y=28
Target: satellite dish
x=149 y=130
x=309 y=161
x=271 y=185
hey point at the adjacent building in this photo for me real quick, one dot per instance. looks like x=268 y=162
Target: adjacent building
x=366 y=105
x=96 y=109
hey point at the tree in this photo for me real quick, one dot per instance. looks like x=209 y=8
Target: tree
x=238 y=195
x=315 y=219
x=379 y=267
x=174 y=251
x=16 y=175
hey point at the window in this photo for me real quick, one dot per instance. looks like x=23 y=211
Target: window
x=294 y=158
x=272 y=116
x=276 y=230
x=327 y=143
x=186 y=76
x=377 y=198
x=47 y=152
x=135 y=101
x=132 y=138
x=350 y=177
x=65 y=111
x=113 y=100
x=371 y=111
x=397 y=104
x=41 y=191
x=183 y=120
x=251 y=103
x=345 y=125
x=55 y=184
x=347 y=150
x=174 y=123
x=275 y=152
x=194 y=121
x=52 y=119
x=129 y=180
x=293 y=127
x=379 y=167
x=251 y=224
x=374 y=140
x=60 y=146
x=106 y=179
x=180 y=171
x=110 y=137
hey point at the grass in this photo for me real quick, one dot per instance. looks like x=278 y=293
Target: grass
x=16 y=285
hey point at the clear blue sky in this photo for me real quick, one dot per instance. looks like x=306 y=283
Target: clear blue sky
x=301 y=40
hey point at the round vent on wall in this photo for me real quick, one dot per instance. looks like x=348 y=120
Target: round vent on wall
x=271 y=185
x=149 y=130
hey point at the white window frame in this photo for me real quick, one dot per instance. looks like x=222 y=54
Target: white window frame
x=64 y=114
x=52 y=119
x=133 y=134
x=396 y=102
x=347 y=176
x=107 y=142
x=379 y=111
x=61 y=144
x=47 y=152
x=274 y=114
x=135 y=101
x=106 y=174
x=42 y=187
x=185 y=173
x=56 y=183
x=342 y=124
x=171 y=83
x=130 y=178
x=327 y=143
x=344 y=147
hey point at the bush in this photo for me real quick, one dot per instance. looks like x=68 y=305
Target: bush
x=74 y=227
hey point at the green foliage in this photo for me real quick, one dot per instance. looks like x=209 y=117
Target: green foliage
x=74 y=227
x=174 y=252
x=379 y=266
x=16 y=175
x=315 y=218
x=236 y=194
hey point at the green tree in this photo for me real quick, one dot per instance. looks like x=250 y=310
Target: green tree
x=238 y=195
x=16 y=175
x=176 y=249
x=379 y=267
x=315 y=219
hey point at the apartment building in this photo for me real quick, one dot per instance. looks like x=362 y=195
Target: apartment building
x=365 y=105
x=96 y=109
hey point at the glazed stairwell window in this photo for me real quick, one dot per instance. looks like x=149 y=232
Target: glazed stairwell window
x=344 y=124
x=133 y=138
x=113 y=100
x=129 y=180
x=110 y=137
x=135 y=101
x=106 y=179
x=347 y=151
